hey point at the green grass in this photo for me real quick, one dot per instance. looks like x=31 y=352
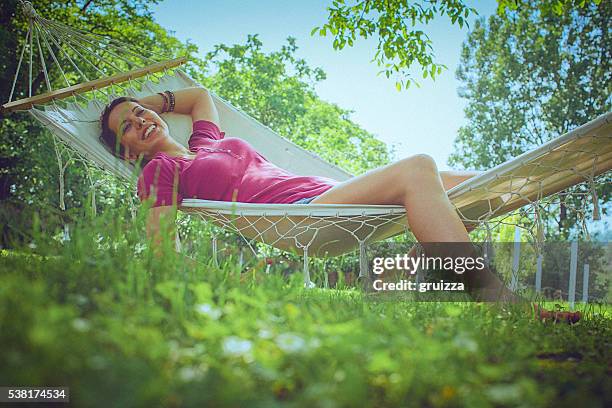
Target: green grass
x=123 y=328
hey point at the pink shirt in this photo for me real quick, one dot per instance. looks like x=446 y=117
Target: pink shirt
x=224 y=169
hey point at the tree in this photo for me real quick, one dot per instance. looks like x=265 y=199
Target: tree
x=327 y=130
x=531 y=76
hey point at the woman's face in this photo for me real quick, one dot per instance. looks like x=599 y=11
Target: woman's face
x=139 y=130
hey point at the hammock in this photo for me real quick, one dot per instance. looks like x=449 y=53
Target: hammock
x=318 y=230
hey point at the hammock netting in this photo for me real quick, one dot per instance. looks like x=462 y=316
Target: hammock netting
x=531 y=182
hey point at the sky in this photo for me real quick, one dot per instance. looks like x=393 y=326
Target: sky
x=417 y=120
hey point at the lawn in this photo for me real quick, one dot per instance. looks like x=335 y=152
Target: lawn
x=122 y=327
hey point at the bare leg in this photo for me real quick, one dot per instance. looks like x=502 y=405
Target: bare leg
x=451 y=179
x=416 y=184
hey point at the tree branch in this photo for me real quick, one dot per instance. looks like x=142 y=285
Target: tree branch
x=365 y=6
x=84 y=8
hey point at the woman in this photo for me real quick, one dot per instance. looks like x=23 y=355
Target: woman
x=236 y=172
x=134 y=129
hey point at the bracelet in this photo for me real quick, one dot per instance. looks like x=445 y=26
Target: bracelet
x=165 y=104
x=170 y=95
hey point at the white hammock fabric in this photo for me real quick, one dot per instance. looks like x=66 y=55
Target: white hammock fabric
x=314 y=229
x=77 y=124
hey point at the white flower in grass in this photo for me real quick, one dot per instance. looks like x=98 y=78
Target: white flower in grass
x=81 y=325
x=290 y=343
x=209 y=311
x=265 y=334
x=139 y=248
x=190 y=373
x=235 y=346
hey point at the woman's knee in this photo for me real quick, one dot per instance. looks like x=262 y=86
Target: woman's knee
x=419 y=164
x=416 y=170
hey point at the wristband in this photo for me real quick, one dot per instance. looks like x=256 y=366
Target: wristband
x=165 y=103
x=171 y=100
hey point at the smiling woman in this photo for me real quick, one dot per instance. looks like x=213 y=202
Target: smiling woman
x=133 y=129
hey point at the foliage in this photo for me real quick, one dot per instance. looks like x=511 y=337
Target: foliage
x=400 y=43
x=547 y=6
x=397 y=26
x=530 y=76
x=121 y=327
x=555 y=252
x=327 y=130
x=556 y=268
x=271 y=87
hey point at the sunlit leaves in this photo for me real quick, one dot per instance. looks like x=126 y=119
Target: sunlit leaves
x=395 y=23
x=557 y=7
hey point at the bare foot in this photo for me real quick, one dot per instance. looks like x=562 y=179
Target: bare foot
x=485 y=286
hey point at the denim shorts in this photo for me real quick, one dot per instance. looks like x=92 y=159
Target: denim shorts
x=305 y=200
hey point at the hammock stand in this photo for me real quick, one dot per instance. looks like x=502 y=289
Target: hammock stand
x=318 y=230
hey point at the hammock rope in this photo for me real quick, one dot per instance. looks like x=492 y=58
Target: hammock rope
x=533 y=182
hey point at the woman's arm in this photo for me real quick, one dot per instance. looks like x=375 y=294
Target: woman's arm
x=161 y=225
x=196 y=102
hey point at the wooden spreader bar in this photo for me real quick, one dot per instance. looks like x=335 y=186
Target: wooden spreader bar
x=27 y=103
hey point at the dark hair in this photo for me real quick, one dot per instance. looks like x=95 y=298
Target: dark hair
x=108 y=137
